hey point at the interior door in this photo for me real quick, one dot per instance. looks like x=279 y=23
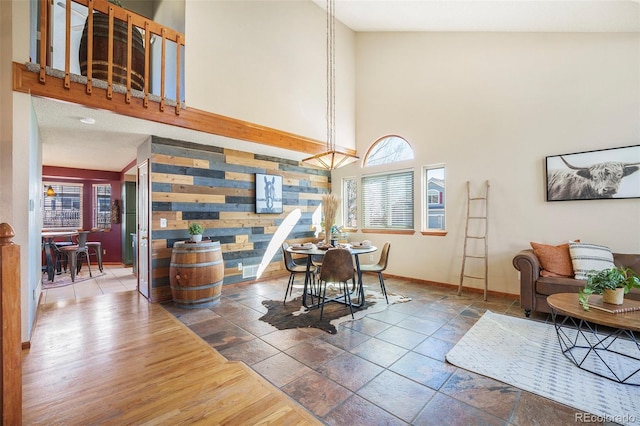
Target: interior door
x=143 y=229
x=129 y=224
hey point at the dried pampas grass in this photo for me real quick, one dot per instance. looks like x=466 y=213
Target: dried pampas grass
x=330 y=204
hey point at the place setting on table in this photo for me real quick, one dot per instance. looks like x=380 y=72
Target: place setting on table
x=297 y=313
x=354 y=246
x=320 y=248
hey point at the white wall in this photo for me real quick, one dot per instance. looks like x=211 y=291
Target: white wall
x=265 y=62
x=492 y=106
x=20 y=190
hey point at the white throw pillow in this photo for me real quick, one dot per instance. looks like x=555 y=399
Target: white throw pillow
x=589 y=257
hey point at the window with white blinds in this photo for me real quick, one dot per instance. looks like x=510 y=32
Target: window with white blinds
x=102 y=206
x=387 y=200
x=64 y=208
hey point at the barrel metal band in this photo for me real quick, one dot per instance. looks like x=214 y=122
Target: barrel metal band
x=197 y=287
x=195 y=265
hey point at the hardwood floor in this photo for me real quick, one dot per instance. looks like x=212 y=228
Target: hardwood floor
x=116 y=359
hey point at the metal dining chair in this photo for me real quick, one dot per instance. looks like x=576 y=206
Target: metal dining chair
x=61 y=257
x=337 y=267
x=380 y=267
x=294 y=268
x=75 y=251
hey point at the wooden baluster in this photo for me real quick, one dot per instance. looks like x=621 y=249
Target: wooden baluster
x=147 y=48
x=44 y=47
x=90 y=47
x=178 y=45
x=163 y=61
x=67 y=45
x=110 y=56
x=10 y=339
x=129 y=58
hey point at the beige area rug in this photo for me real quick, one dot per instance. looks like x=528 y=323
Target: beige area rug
x=294 y=315
x=526 y=354
x=64 y=279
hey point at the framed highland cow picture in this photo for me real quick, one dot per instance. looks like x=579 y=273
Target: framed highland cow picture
x=594 y=175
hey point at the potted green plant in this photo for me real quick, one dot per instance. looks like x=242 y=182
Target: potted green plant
x=611 y=283
x=196 y=230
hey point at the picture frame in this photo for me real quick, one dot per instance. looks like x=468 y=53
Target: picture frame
x=612 y=173
x=268 y=193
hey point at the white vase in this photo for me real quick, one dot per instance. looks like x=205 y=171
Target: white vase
x=196 y=238
x=613 y=297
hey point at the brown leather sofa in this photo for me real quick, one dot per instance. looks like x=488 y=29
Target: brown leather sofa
x=535 y=288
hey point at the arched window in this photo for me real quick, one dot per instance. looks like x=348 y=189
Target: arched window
x=389 y=149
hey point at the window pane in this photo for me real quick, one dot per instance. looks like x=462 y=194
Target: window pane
x=389 y=150
x=387 y=200
x=350 y=204
x=63 y=210
x=435 y=199
x=102 y=206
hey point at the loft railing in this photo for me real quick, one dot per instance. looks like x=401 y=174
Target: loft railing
x=115 y=47
x=31 y=78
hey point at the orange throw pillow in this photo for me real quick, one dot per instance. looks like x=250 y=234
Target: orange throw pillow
x=554 y=260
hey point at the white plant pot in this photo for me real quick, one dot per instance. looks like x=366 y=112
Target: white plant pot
x=613 y=297
x=196 y=238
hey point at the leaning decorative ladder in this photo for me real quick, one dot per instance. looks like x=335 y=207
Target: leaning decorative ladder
x=480 y=222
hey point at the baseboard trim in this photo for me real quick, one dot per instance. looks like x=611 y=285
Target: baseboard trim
x=451 y=286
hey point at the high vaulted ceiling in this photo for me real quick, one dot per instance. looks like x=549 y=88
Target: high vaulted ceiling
x=69 y=143
x=481 y=15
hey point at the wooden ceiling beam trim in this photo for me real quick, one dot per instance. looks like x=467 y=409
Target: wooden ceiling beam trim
x=25 y=81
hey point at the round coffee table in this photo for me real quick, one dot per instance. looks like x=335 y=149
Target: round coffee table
x=603 y=343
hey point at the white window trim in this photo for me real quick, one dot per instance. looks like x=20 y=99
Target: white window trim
x=345 y=212
x=425 y=199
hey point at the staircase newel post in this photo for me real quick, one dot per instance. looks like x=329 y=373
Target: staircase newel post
x=10 y=338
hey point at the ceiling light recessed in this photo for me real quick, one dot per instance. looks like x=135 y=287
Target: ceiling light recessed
x=88 y=120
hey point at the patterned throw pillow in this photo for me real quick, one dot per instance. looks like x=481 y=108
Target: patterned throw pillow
x=554 y=260
x=589 y=257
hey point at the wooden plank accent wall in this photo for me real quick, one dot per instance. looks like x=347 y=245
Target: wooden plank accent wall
x=216 y=188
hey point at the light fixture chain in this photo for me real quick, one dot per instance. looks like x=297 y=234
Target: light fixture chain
x=331 y=75
x=331 y=158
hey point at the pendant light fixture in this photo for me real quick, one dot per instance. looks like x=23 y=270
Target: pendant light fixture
x=50 y=192
x=331 y=158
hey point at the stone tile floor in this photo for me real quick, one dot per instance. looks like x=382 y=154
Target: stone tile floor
x=388 y=368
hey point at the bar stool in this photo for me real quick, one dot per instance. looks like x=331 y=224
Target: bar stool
x=95 y=248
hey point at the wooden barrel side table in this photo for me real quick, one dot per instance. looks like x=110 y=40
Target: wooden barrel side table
x=196 y=273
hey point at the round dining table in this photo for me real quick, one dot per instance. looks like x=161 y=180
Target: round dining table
x=356 y=251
